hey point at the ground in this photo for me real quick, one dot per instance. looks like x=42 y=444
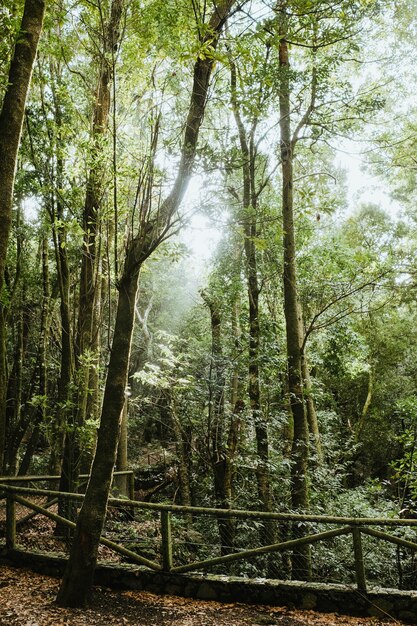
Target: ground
x=27 y=599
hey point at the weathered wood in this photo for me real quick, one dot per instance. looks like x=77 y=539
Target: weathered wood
x=131 y=485
x=47 y=477
x=31 y=515
x=166 y=541
x=405 y=543
x=359 y=564
x=11 y=493
x=10 y=523
x=106 y=542
x=40 y=492
x=277 y=547
x=213 y=512
x=26 y=479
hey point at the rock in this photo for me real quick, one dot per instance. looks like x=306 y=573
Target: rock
x=308 y=601
x=381 y=607
x=206 y=592
x=408 y=617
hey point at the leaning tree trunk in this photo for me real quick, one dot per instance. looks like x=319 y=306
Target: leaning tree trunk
x=11 y=121
x=78 y=578
x=299 y=453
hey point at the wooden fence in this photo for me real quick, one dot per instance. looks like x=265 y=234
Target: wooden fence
x=355 y=527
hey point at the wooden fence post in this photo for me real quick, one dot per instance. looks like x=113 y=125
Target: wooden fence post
x=359 y=565
x=10 y=523
x=131 y=486
x=166 y=541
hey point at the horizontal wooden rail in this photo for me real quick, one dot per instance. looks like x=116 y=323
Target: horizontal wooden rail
x=37 y=478
x=276 y=547
x=226 y=513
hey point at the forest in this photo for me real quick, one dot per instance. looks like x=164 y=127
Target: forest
x=207 y=258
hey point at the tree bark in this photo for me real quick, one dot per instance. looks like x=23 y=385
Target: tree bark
x=57 y=216
x=88 y=331
x=367 y=404
x=78 y=578
x=250 y=226
x=182 y=446
x=11 y=122
x=87 y=341
x=312 y=421
x=221 y=452
x=299 y=452
x=14 y=415
x=122 y=482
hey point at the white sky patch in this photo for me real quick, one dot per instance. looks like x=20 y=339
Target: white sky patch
x=199 y=234
x=363 y=187
x=31 y=208
x=201 y=237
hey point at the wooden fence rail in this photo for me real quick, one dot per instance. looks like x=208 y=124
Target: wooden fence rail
x=354 y=526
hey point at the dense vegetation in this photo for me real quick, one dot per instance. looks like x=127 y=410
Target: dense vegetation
x=281 y=373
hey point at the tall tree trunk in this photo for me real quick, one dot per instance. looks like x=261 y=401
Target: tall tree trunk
x=250 y=226
x=64 y=284
x=14 y=390
x=312 y=421
x=311 y=413
x=368 y=401
x=221 y=456
x=182 y=446
x=299 y=453
x=78 y=578
x=88 y=331
x=11 y=122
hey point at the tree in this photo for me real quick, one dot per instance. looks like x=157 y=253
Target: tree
x=11 y=122
x=222 y=446
x=254 y=179
x=87 y=341
x=153 y=228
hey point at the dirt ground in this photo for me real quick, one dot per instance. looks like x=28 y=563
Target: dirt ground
x=27 y=599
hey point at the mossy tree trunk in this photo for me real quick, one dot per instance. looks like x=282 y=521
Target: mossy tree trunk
x=154 y=226
x=249 y=220
x=11 y=122
x=221 y=449
x=88 y=330
x=292 y=310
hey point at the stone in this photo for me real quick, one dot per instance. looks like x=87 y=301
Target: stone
x=381 y=607
x=206 y=592
x=308 y=601
x=408 y=617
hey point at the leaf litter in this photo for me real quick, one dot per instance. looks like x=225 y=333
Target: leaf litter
x=28 y=599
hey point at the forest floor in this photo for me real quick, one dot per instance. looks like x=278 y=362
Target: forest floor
x=27 y=599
